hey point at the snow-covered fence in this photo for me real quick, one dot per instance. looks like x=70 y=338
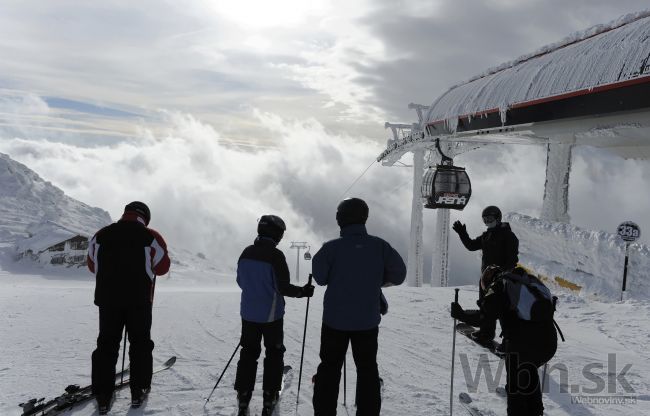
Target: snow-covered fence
x=589 y=261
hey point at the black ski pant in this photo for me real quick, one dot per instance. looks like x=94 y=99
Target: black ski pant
x=488 y=326
x=523 y=384
x=112 y=321
x=251 y=337
x=333 y=348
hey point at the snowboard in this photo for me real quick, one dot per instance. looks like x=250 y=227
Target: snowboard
x=465 y=329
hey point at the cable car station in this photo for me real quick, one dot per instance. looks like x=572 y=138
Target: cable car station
x=590 y=89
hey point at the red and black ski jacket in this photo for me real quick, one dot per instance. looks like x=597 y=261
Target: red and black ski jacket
x=125 y=257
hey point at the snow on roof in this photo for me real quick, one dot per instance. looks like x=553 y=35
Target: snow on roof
x=45 y=235
x=601 y=55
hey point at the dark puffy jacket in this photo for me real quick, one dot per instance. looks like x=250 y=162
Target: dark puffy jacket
x=263 y=276
x=125 y=258
x=354 y=267
x=500 y=246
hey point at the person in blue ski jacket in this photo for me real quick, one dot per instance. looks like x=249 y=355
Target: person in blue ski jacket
x=263 y=276
x=354 y=268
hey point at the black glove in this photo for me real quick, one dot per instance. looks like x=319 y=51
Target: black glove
x=457 y=311
x=459 y=227
x=383 y=304
x=307 y=291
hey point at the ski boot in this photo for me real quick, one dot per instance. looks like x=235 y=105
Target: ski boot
x=243 y=399
x=104 y=402
x=482 y=338
x=269 y=400
x=138 y=397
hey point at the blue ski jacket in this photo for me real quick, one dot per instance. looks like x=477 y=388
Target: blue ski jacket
x=263 y=276
x=354 y=268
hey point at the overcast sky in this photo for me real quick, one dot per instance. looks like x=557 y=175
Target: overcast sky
x=215 y=112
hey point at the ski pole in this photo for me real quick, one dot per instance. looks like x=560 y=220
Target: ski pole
x=123 y=357
x=453 y=359
x=302 y=354
x=222 y=373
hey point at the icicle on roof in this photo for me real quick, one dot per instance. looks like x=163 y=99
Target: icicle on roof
x=601 y=55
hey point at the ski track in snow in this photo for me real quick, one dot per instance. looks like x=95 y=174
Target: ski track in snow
x=49 y=328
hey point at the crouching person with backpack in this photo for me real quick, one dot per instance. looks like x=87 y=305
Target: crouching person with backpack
x=524 y=307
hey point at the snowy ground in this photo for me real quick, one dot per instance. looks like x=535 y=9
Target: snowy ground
x=49 y=328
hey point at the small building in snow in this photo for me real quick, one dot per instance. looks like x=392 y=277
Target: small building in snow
x=52 y=243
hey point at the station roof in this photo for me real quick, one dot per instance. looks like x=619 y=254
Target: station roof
x=603 y=57
x=593 y=87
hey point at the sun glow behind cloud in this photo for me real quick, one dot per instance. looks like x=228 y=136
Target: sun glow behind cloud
x=260 y=14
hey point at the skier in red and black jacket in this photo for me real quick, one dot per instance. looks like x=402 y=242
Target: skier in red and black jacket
x=125 y=257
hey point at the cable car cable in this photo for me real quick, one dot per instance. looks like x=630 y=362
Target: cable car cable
x=357 y=180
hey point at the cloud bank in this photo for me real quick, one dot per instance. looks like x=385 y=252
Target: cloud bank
x=206 y=194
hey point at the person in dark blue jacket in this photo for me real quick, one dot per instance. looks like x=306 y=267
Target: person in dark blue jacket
x=263 y=276
x=354 y=268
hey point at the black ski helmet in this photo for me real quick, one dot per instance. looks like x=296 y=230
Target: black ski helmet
x=271 y=226
x=489 y=274
x=352 y=211
x=492 y=211
x=139 y=208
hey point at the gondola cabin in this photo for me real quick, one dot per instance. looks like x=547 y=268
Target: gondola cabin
x=446 y=186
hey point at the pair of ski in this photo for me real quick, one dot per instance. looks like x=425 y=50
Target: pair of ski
x=75 y=395
x=287 y=377
x=464 y=398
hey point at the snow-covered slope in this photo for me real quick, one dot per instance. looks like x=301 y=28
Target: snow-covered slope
x=28 y=199
x=593 y=260
x=49 y=328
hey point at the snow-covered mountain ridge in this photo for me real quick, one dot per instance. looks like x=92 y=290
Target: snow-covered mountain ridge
x=35 y=214
x=27 y=199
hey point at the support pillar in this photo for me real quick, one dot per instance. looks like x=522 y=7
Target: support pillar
x=555 y=206
x=440 y=258
x=415 y=266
